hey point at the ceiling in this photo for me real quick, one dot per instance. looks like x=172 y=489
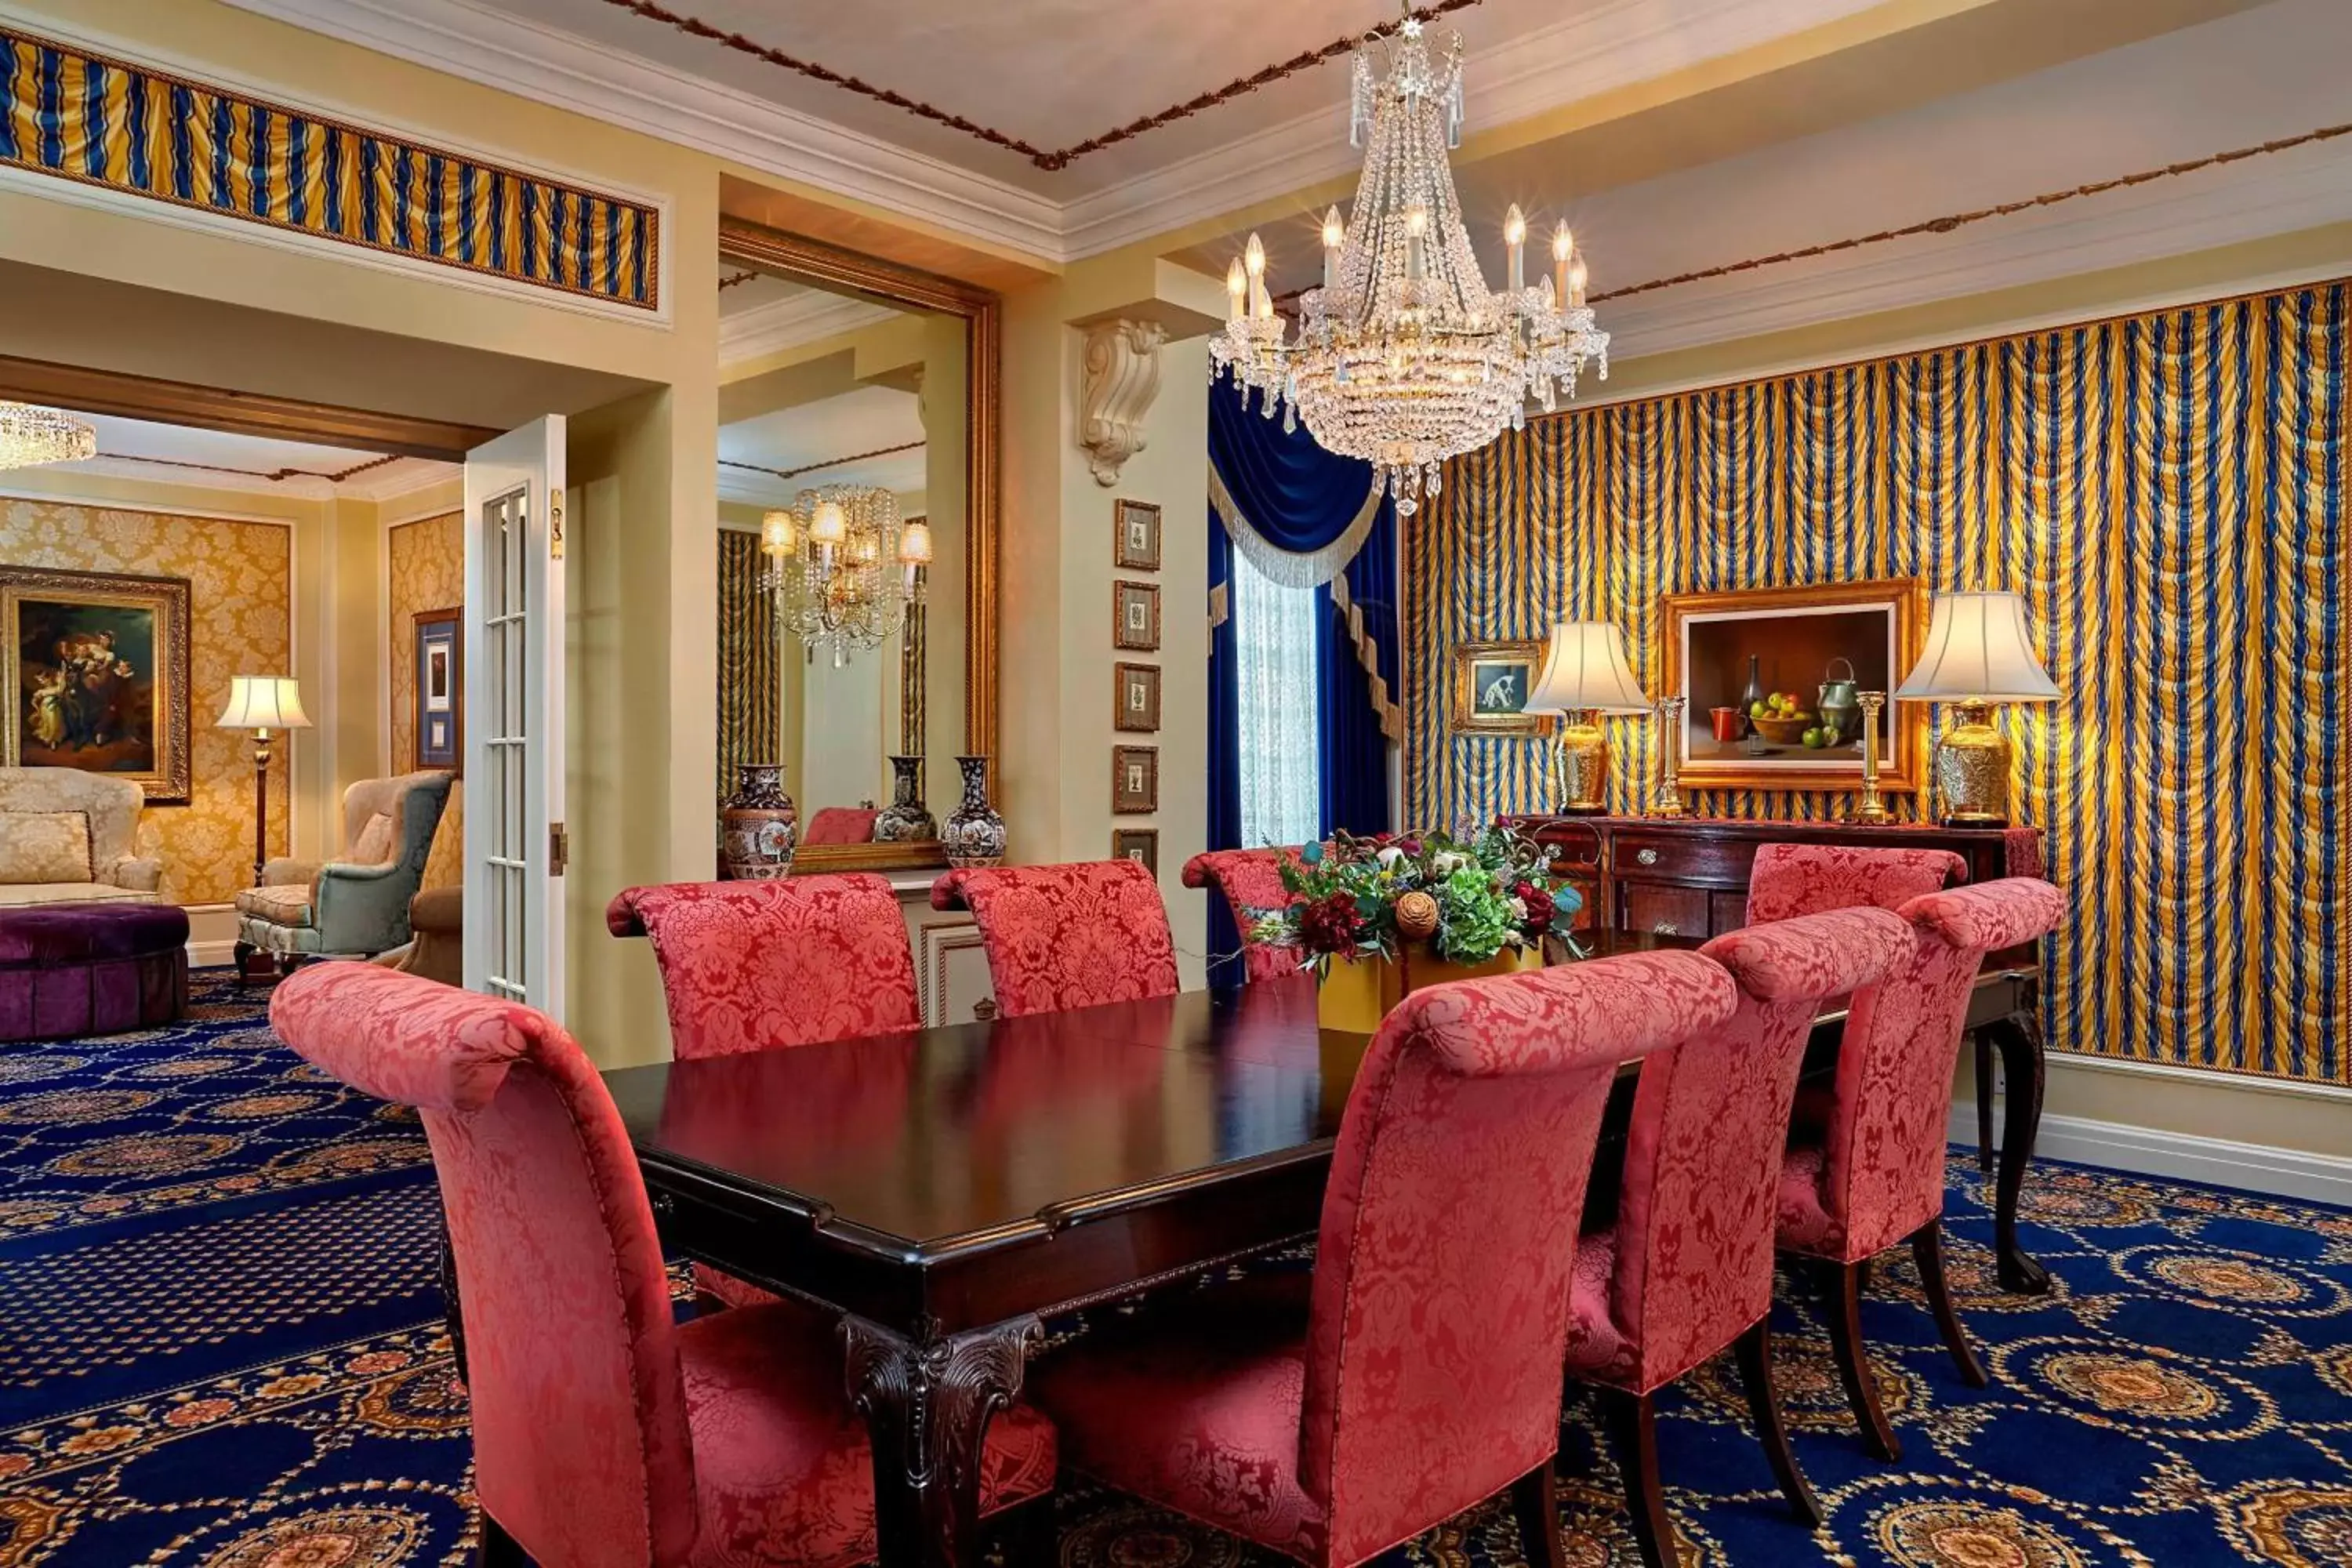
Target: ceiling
x=217 y=460
x=865 y=420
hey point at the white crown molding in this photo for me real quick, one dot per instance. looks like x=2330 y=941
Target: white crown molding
x=807 y=317
x=396 y=482
x=514 y=55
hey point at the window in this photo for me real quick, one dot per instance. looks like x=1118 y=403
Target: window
x=1281 y=731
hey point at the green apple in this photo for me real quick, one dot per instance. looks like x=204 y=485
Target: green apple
x=1758 y=711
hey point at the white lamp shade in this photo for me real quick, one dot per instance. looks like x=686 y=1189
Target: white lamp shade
x=1585 y=669
x=264 y=703
x=1978 y=651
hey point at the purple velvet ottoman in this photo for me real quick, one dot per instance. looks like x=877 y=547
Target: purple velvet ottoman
x=68 y=970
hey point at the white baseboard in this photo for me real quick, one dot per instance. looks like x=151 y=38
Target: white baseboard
x=205 y=954
x=2148 y=1152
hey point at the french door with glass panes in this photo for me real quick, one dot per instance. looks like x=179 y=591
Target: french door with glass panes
x=515 y=843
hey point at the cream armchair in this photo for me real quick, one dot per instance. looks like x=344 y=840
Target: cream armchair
x=355 y=906
x=47 y=856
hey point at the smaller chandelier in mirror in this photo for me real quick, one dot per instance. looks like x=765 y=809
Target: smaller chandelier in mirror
x=842 y=567
x=30 y=436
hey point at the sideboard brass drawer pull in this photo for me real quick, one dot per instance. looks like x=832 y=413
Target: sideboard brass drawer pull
x=1664 y=927
x=1646 y=857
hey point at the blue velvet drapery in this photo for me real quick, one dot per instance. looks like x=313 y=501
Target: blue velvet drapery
x=1299 y=498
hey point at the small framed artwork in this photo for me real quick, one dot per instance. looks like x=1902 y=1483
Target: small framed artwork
x=1138 y=545
x=439 y=696
x=1492 y=681
x=96 y=666
x=1134 y=780
x=1770 y=679
x=1135 y=615
x=1140 y=843
x=1136 y=692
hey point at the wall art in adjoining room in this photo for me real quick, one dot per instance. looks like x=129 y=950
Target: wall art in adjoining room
x=1491 y=684
x=96 y=664
x=1135 y=697
x=1136 y=546
x=1134 y=780
x=1769 y=677
x=1135 y=615
x=439 y=726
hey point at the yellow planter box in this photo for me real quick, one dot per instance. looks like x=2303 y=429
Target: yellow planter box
x=1357 y=993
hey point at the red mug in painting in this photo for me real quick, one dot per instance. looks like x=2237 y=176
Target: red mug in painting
x=1730 y=724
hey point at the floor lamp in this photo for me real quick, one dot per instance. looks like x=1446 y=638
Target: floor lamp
x=262 y=704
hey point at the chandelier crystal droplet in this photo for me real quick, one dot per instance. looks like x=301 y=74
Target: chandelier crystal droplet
x=30 y=436
x=1404 y=358
x=842 y=567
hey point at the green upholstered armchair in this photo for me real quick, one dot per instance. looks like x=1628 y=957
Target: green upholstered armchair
x=355 y=906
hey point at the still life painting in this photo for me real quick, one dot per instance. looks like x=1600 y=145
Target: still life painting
x=98 y=666
x=1771 y=680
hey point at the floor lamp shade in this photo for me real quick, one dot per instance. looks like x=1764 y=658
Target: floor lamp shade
x=1585 y=674
x=264 y=703
x=1978 y=653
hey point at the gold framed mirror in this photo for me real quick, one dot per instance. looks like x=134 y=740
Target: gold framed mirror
x=854 y=380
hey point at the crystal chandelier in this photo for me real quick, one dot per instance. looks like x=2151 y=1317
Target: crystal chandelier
x=842 y=568
x=30 y=436
x=1403 y=357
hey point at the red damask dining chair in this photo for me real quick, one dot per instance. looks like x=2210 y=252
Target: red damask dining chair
x=1075 y=935
x=1874 y=1176
x=1789 y=879
x=1250 y=879
x=1417 y=1373
x=1687 y=1270
x=750 y=966
x=606 y=1435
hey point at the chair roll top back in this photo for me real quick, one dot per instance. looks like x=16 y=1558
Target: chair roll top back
x=1884 y=1174
x=1791 y=879
x=1075 y=935
x=1441 y=1291
x=1249 y=879
x=1710 y=1120
x=579 y=1432
x=749 y=965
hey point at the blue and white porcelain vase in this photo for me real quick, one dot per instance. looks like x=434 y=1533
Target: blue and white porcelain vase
x=974 y=835
x=758 y=827
x=906 y=820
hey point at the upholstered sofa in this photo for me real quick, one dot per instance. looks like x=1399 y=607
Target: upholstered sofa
x=436 y=916
x=72 y=838
x=355 y=906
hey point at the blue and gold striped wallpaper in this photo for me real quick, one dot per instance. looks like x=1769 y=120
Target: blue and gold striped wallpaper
x=2168 y=492
x=78 y=116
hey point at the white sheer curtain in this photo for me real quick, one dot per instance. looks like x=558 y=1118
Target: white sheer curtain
x=1281 y=735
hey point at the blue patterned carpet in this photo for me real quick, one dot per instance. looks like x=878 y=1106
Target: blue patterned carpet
x=220 y=1347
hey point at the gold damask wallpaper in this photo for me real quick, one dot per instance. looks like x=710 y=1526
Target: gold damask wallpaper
x=428 y=574
x=240 y=602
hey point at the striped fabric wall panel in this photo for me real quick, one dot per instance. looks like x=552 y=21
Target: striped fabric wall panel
x=2169 y=493
x=96 y=120
x=750 y=689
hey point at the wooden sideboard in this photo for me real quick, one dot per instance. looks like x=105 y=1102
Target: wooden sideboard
x=1687 y=878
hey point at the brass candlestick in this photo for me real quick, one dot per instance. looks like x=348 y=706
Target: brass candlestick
x=1870 y=810
x=1668 y=800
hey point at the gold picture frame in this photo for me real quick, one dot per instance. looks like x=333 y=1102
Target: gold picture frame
x=96 y=668
x=1135 y=615
x=1492 y=681
x=1794 y=635
x=1134 y=698
x=1138 y=844
x=1135 y=541
x=1134 y=781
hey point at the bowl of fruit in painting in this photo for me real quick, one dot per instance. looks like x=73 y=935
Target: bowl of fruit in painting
x=1782 y=720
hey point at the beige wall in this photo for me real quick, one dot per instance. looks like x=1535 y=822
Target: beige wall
x=426 y=571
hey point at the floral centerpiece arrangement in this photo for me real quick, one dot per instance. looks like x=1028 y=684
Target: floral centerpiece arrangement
x=1466 y=904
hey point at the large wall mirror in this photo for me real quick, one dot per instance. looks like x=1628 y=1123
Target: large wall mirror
x=858 y=585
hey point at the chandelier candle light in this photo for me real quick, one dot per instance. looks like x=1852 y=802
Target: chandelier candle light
x=1404 y=358
x=826 y=566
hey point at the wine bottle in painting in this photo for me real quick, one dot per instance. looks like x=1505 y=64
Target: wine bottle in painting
x=1750 y=698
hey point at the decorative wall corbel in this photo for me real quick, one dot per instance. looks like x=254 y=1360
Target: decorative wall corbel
x=1120 y=377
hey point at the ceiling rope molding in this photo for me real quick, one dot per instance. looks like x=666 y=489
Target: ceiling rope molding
x=1050 y=159
x=828 y=463
x=1119 y=379
x=735 y=279
x=275 y=475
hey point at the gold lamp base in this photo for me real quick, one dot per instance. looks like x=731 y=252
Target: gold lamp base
x=1972 y=770
x=1583 y=766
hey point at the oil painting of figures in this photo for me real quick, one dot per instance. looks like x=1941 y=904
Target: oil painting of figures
x=97 y=665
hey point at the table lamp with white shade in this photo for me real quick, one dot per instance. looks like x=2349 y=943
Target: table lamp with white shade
x=1977 y=654
x=262 y=704
x=1584 y=676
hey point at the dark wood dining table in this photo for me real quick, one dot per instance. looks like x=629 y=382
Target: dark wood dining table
x=947 y=1190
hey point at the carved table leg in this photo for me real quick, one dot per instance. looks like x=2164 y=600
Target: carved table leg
x=926 y=1405
x=2018 y=1040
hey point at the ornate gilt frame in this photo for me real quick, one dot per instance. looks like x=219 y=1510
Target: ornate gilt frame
x=980 y=311
x=167 y=599
x=1902 y=769
x=1463 y=717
